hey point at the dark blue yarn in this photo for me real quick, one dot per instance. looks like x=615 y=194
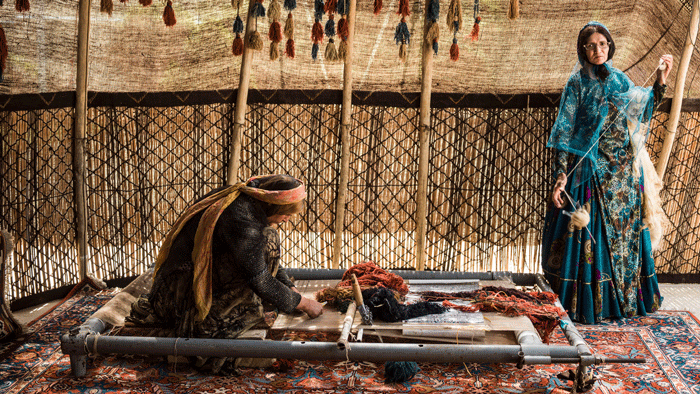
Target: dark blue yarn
x=330 y=28
x=238 y=25
x=402 y=35
x=318 y=9
x=433 y=11
x=258 y=9
x=290 y=4
x=314 y=51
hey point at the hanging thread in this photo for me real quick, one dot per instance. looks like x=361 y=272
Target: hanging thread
x=477 y=21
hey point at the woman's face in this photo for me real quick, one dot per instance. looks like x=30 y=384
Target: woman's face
x=597 y=48
x=278 y=219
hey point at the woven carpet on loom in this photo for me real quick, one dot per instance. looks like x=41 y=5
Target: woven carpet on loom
x=669 y=341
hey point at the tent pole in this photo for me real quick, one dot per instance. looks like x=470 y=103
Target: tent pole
x=345 y=123
x=241 y=101
x=423 y=142
x=677 y=102
x=79 y=132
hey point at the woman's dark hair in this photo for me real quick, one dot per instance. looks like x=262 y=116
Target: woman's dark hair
x=583 y=36
x=278 y=182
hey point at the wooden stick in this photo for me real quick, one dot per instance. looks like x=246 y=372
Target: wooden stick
x=241 y=102
x=79 y=137
x=423 y=141
x=345 y=119
x=678 y=91
x=347 y=326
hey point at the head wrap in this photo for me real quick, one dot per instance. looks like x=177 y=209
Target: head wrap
x=213 y=206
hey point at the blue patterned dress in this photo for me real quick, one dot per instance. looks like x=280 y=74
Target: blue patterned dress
x=606 y=270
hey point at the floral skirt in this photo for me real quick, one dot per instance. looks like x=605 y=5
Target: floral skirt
x=598 y=276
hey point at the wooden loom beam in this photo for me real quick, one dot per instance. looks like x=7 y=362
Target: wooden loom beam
x=677 y=102
x=345 y=122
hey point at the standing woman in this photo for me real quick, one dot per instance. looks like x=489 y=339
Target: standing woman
x=601 y=263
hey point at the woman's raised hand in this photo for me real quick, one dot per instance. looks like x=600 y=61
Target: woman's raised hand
x=557 y=197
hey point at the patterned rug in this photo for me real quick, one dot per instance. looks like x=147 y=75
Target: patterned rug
x=670 y=342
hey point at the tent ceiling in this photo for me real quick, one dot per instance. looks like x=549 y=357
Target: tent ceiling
x=132 y=50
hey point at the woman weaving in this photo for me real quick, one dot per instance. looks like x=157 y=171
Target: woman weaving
x=220 y=262
x=597 y=249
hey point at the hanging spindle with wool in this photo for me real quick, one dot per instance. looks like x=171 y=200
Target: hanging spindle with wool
x=454 y=23
x=331 y=53
x=275 y=34
x=433 y=33
x=402 y=36
x=169 y=15
x=252 y=39
x=343 y=9
x=317 y=28
x=477 y=21
x=237 y=46
x=289 y=50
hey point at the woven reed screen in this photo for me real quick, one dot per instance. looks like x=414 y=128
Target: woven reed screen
x=489 y=179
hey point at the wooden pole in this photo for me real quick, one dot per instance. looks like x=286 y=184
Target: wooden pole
x=241 y=100
x=79 y=132
x=345 y=121
x=423 y=141
x=677 y=102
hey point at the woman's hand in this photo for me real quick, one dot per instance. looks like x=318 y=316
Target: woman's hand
x=661 y=75
x=311 y=307
x=557 y=197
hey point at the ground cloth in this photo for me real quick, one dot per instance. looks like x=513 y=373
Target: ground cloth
x=670 y=341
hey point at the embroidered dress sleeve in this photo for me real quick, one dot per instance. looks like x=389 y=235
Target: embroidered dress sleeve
x=564 y=125
x=283 y=277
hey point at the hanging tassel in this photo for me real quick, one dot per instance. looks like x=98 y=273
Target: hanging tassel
x=289 y=48
x=378 y=5
x=318 y=9
x=343 y=28
x=404 y=8
x=3 y=53
x=314 y=51
x=342 y=8
x=253 y=41
x=146 y=3
x=475 y=30
x=289 y=27
x=238 y=25
x=22 y=5
x=317 y=32
x=258 y=9
x=331 y=54
x=274 y=51
x=236 y=4
x=403 y=52
x=514 y=9
x=435 y=46
x=402 y=35
x=454 y=16
x=237 y=47
x=433 y=33
x=342 y=50
x=330 y=26
x=433 y=11
x=454 y=50
x=274 y=11
x=169 y=15
x=275 y=33
x=290 y=5
x=107 y=6
x=330 y=6
x=399 y=371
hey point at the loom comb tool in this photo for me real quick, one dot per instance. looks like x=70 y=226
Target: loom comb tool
x=361 y=307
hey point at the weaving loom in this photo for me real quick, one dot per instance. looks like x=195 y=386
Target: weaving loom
x=495 y=339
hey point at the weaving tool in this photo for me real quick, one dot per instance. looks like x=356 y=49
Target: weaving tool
x=361 y=307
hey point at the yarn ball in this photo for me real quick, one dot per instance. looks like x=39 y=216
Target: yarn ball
x=399 y=371
x=580 y=218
